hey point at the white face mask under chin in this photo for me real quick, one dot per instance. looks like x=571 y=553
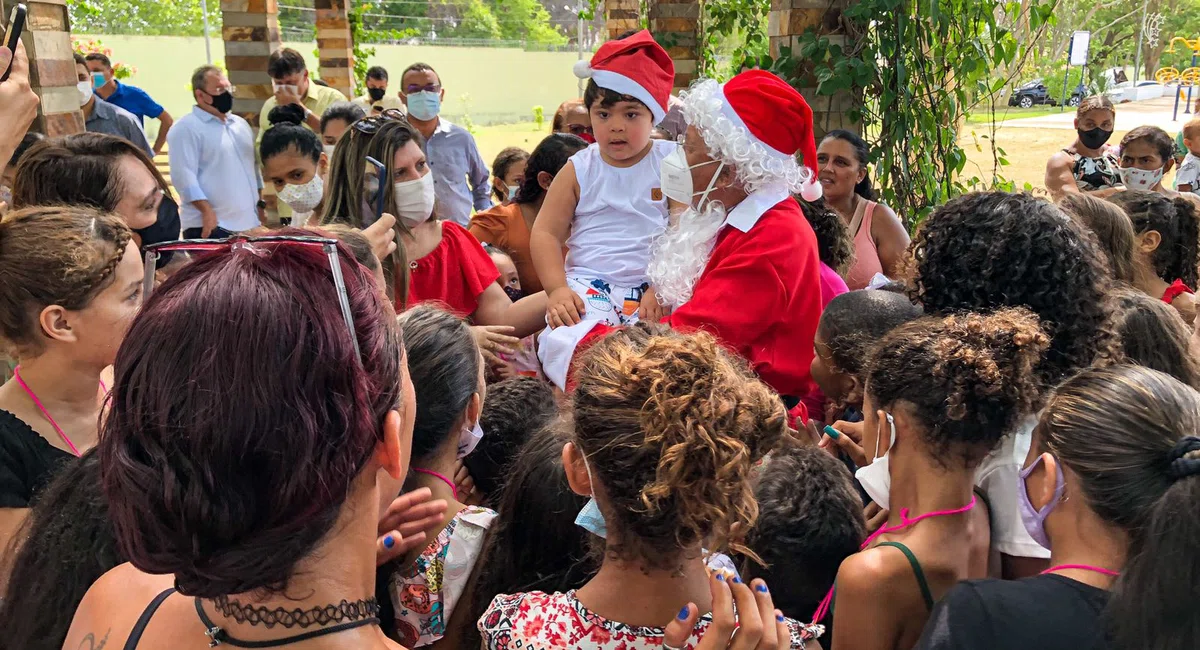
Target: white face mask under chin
x=414 y=199
x=876 y=478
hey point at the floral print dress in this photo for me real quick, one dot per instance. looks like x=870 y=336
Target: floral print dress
x=424 y=596
x=541 y=621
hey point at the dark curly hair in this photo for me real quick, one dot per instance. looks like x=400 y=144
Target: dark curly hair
x=68 y=544
x=514 y=409
x=1153 y=335
x=989 y=250
x=810 y=519
x=967 y=378
x=857 y=320
x=671 y=425
x=1175 y=221
x=835 y=246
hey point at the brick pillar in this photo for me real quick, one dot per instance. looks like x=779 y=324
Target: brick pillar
x=251 y=34
x=676 y=26
x=47 y=39
x=621 y=16
x=335 y=46
x=789 y=19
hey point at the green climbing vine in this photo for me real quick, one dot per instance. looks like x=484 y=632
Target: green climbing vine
x=908 y=72
x=738 y=27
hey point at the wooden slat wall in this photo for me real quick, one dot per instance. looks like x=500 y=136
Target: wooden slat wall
x=335 y=46
x=251 y=34
x=47 y=39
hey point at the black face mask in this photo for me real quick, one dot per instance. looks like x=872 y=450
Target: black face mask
x=1094 y=138
x=376 y=93
x=514 y=294
x=223 y=102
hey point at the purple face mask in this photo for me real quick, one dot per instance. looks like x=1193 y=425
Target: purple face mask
x=1035 y=520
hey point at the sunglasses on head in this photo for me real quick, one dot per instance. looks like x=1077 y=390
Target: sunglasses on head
x=369 y=125
x=258 y=246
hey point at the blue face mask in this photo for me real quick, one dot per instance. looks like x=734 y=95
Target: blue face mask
x=98 y=80
x=590 y=518
x=424 y=105
x=512 y=193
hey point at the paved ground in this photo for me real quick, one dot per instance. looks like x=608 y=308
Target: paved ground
x=1129 y=116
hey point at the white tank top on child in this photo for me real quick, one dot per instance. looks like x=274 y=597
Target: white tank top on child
x=620 y=212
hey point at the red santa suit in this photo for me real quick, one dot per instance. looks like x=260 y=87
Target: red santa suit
x=759 y=292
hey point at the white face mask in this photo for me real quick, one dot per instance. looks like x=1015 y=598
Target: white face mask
x=414 y=199
x=329 y=150
x=676 y=177
x=1139 y=179
x=876 y=478
x=303 y=198
x=85 y=91
x=468 y=439
x=295 y=90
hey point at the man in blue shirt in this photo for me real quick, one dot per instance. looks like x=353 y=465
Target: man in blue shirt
x=453 y=157
x=101 y=117
x=131 y=98
x=212 y=163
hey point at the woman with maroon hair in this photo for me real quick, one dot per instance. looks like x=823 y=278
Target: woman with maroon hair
x=246 y=464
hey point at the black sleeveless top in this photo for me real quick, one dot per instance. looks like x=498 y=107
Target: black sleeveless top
x=27 y=462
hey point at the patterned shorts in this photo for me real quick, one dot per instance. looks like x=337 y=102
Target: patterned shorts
x=608 y=303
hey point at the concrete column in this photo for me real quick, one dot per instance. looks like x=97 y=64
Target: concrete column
x=251 y=34
x=676 y=26
x=335 y=46
x=788 y=20
x=47 y=39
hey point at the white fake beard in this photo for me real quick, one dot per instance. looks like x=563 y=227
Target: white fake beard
x=679 y=255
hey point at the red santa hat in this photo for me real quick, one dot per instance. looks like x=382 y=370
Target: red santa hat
x=758 y=122
x=636 y=66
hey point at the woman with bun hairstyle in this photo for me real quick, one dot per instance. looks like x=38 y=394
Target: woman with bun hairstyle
x=666 y=430
x=72 y=283
x=1167 y=249
x=941 y=393
x=1110 y=487
x=336 y=121
x=294 y=161
x=235 y=505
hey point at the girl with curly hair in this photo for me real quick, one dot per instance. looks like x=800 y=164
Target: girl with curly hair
x=667 y=427
x=834 y=247
x=1167 y=248
x=990 y=250
x=940 y=394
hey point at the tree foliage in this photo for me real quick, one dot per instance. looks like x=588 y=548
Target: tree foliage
x=150 y=17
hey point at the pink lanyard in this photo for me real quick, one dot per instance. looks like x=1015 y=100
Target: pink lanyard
x=38 y=403
x=1082 y=567
x=905 y=522
x=439 y=476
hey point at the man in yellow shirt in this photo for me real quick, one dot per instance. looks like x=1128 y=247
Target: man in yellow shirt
x=377 y=100
x=289 y=79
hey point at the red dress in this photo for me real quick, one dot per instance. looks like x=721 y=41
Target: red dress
x=455 y=273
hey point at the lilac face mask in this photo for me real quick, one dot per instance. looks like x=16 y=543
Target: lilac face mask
x=1035 y=520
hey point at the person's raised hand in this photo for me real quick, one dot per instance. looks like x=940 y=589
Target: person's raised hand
x=382 y=236
x=650 y=310
x=846 y=436
x=494 y=340
x=18 y=102
x=757 y=624
x=564 y=307
x=285 y=95
x=402 y=526
x=875 y=517
x=464 y=485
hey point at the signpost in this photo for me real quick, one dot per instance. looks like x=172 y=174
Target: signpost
x=1077 y=55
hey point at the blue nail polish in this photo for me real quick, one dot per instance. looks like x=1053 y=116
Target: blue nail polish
x=683 y=613
x=831 y=432
x=737 y=580
x=388 y=542
x=762 y=589
x=721 y=577
x=779 y=617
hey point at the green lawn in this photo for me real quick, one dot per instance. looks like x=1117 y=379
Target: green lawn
x=1003 y=113
x=491 y=139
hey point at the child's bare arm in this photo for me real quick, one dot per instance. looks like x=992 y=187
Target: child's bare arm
x=546 y=241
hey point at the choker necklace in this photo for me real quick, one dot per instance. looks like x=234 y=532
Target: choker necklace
x=348 y=615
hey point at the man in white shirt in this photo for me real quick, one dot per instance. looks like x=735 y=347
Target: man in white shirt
x=212 y=163
x=377 y=100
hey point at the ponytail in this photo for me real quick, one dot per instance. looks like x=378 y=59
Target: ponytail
x=1175 y=221
x=1153 y=603
x=1187 y=241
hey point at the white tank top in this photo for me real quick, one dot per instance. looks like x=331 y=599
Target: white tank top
x=620 y=212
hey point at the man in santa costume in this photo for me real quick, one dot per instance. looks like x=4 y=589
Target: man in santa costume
x=740 y=261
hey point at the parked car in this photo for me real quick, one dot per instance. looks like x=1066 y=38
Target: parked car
x=1035 y=92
